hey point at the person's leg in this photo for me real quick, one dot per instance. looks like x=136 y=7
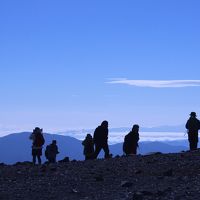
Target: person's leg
x=190 y=139
x=97 y=151
x=191 y=145
x=54 y=160
x=135 y=150
x=34 y=159
x=197 y=139
x=106 y=151
x=195 y=145
x=34 y=156
x=193 y=140
x=89 y=156
x=39 y=159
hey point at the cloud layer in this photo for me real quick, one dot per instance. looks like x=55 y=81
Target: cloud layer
x=157 y=83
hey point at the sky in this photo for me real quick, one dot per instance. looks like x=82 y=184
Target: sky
x=72 y=64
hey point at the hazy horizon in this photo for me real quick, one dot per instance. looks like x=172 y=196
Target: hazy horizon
x=118 y=137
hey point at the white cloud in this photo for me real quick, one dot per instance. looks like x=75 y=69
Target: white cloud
x=157 y=83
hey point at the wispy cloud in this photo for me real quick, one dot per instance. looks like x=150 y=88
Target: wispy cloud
x=157 y=83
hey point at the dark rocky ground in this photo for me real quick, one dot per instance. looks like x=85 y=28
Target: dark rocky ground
x=157 y=176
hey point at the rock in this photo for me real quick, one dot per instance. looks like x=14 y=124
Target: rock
x=43 y=168
x=137 y=196
x=53 y=168
x=168 y=172
x=74 y=191
x=65 y=160
x=126 y=184
x=147 y=193
x=138 y=171
x=99 y=178
x=160 y=193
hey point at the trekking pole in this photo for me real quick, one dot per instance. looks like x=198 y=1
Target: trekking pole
x=186 y=132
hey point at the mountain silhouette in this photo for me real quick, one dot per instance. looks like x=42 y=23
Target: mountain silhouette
x=17 y=147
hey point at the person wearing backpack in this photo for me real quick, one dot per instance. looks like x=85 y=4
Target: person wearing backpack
x=193 y=126
x=38 y=142
x=51 y=152
x=88 y=147
x=130 y=144
x=100 y=139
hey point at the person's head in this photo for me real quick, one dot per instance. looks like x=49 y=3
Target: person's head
x=135 y=128
x=54 y=141
x=37 y=130
x=104 y=124
x=89 y=136
x=193 y=114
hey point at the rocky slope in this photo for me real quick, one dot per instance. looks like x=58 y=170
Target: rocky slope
x=157 y=176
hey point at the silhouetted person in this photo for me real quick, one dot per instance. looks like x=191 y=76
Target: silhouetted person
x=100 y=139
x=131 y=141
x=88 y=147
x=51 y=152
x=193 y=125
x=38 y=141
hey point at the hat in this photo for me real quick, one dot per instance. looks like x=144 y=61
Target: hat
x=37 y=129
x=193 y=114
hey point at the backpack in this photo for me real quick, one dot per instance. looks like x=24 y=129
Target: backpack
x=39 y=139
x=126 y=145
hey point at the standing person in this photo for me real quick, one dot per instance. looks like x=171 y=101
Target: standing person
x=193 y=125
x=51 y=152
x=88 y=147
x=131 y=141
x=101 y=140
x=38 y=141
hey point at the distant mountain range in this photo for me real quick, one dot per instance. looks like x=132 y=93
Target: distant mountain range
x=17 y=147
x=160 y=129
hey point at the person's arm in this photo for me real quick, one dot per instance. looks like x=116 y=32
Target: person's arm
x=187 y=125
x=31 y=137
x=106 y=133
x=57 y=150
x=123 y=147
x=198 y=124
x=94 y=136
x=83 y=143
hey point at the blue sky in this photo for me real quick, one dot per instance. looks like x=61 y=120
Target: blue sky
x=63 y=63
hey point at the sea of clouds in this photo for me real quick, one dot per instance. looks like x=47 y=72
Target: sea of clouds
x=114 y=136
x=117 y=137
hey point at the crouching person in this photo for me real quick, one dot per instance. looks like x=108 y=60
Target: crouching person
x=51 y=152
x=88 y=147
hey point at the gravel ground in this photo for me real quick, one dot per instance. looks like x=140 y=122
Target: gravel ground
x=156 y=176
